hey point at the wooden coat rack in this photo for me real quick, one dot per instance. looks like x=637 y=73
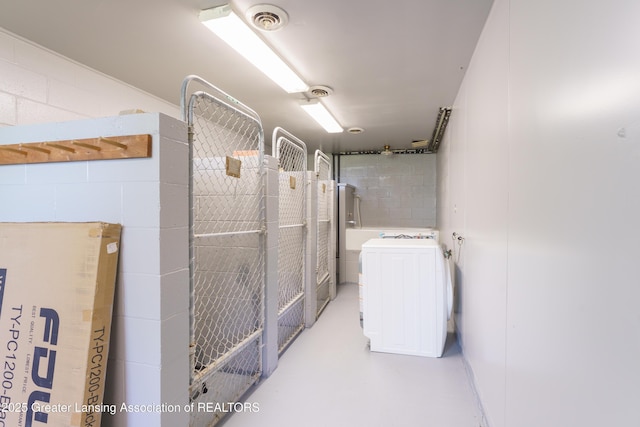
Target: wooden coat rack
x=100 y=148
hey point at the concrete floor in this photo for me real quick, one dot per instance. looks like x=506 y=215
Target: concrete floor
x=329 y=378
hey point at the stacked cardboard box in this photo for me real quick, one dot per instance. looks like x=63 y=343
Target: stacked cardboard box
x=56 y=299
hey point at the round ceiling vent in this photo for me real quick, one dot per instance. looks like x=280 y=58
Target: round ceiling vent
x=355 y=131
x=267 y=17
x=320 y=91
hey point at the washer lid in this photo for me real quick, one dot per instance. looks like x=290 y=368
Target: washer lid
x=400 y=243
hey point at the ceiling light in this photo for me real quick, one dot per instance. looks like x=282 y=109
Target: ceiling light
x=387 y=151
x=321 y=115
x=230 y=28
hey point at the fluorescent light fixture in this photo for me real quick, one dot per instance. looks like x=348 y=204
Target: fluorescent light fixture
x=230 y=28
x=321 y=115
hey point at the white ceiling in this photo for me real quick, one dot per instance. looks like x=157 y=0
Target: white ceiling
x=391 y=64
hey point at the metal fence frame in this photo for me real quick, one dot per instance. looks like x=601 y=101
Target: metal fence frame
x=322 y=169
x=291 y=154
x=222 y=376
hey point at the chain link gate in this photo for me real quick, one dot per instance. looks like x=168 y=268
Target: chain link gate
x=226 y=249
x=323 y=278
x=291 y=153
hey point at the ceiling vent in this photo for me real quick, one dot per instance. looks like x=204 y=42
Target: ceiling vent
x=267 y=17
x=319 y=91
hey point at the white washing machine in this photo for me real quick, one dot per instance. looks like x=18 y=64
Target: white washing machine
x=407 y=296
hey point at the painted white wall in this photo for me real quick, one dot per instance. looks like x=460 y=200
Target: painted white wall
x=537 y=177
x=40 y=86
x=395 y=191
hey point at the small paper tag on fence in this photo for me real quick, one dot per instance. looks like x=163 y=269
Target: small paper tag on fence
x=233 y=167
x=292 y=182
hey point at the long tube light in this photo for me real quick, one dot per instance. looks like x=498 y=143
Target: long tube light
x=321 y=115
x=229 y=27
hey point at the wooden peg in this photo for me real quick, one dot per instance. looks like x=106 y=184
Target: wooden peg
x=112 y=142
x=85 y=145
x=14 y=150
x=35 y=148
x=61 y=147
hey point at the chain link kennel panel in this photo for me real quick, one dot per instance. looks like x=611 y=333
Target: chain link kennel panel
x=323 y=172
x=227 y=249
x=291 y=153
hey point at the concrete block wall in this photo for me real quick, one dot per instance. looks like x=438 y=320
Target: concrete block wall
x=395 y=191
x=40 y=86
x=148 y=363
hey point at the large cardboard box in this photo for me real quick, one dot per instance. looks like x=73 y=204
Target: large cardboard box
x=56 y=298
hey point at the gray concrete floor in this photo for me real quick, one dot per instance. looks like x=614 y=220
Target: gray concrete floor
x=329 y=378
